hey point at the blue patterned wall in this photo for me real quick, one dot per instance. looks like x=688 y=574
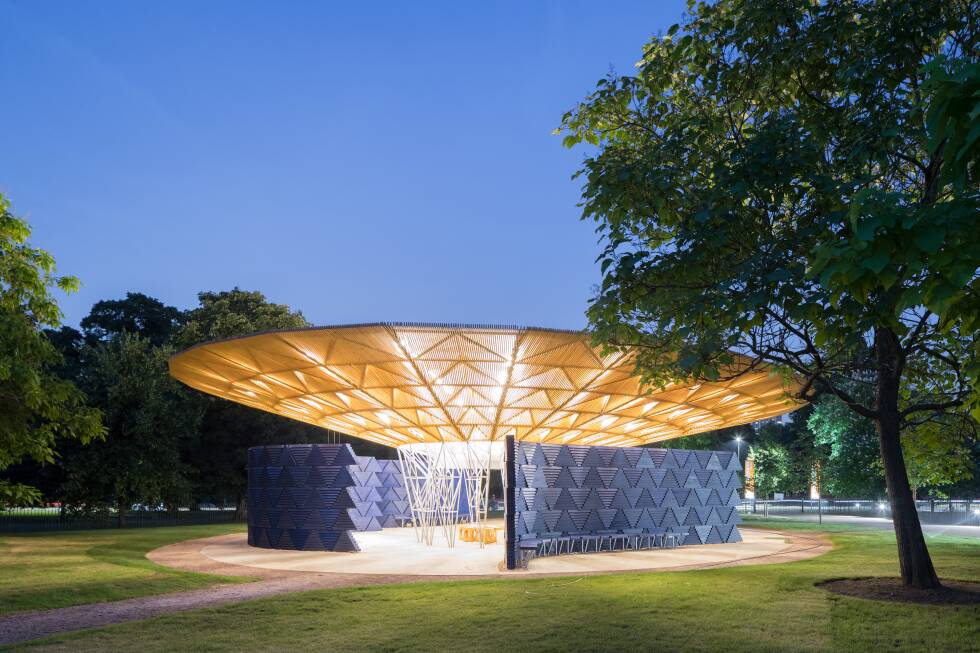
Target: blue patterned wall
x=311 y=497
x=573 y=490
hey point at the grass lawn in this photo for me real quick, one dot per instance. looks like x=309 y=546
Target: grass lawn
x=54 y=570
x=762 y=608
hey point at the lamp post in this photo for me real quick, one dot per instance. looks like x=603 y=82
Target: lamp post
x=738 y=447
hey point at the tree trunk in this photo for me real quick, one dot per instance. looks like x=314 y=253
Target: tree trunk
x=121 y=514
x=913 y=556
x=241 y=508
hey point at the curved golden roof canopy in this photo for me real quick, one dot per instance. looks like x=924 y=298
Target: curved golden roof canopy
x=404 y=383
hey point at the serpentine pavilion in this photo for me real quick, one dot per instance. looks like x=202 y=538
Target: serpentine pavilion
x=571 y=430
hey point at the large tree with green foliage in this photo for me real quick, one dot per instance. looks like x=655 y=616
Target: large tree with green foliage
x=937 y=451
x=235 y=312
x=852 y=465
x=228 y=429
x=794 y=181
x=137 y=314
x=149 y=417
x=803 y=457
x=36 y=406
x=772 y=467
x=219 y=454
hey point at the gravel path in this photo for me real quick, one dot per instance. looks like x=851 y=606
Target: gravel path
x=25 y=626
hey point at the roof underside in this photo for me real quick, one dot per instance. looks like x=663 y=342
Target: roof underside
x=401 y=383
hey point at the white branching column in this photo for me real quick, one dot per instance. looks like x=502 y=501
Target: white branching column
x=433 y=491
x=439 y=476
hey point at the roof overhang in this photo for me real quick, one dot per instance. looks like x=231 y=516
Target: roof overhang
x=397 y=384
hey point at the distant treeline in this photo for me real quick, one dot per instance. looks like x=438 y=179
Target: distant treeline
x=164 y=444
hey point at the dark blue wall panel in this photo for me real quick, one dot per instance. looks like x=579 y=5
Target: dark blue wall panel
x=574 y=490
x=311 y=497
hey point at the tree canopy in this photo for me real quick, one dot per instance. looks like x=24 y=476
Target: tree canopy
x=137 y=313
x=149 y=418
x=851 y=467
x=774 y=180
x=233 y=313
x=772 y=468
x=218 y=455
x=36 y=406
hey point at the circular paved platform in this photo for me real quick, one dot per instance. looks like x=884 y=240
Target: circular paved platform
x=396 y=551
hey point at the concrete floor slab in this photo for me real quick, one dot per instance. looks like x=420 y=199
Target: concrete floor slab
x=397 y=551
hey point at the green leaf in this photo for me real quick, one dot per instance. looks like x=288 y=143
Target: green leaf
x=876 y=262
x=929 y=240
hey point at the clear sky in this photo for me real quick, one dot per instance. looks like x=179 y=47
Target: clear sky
x=358 y=161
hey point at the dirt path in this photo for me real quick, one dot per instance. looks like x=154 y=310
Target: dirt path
x=25 y=626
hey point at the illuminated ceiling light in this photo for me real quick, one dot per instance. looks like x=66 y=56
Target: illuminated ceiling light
x=310 y=356
x=330 y=374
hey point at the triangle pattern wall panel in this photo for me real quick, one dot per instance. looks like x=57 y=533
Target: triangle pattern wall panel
x=569 y=490
x=313 y=497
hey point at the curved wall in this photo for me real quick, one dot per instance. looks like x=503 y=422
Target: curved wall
x=313 y=497
x=561 y=490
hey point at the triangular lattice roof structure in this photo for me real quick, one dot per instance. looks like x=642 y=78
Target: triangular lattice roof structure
x=404 y=383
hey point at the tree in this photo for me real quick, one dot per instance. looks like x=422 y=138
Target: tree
x=235 y=312
x=228 y=429
x=148 y=416
x=852 y=467
x=803 y=457
x=36 y=406
x=968 y=487
x=775 y=182
x=137 y=313
x=772 y=467
x=938 y=453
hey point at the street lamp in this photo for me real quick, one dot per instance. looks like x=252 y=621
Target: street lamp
x=738 y=446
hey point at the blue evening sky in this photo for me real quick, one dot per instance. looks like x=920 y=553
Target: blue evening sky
x=358 y=161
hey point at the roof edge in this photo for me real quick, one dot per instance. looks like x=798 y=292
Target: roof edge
x=357 y=325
